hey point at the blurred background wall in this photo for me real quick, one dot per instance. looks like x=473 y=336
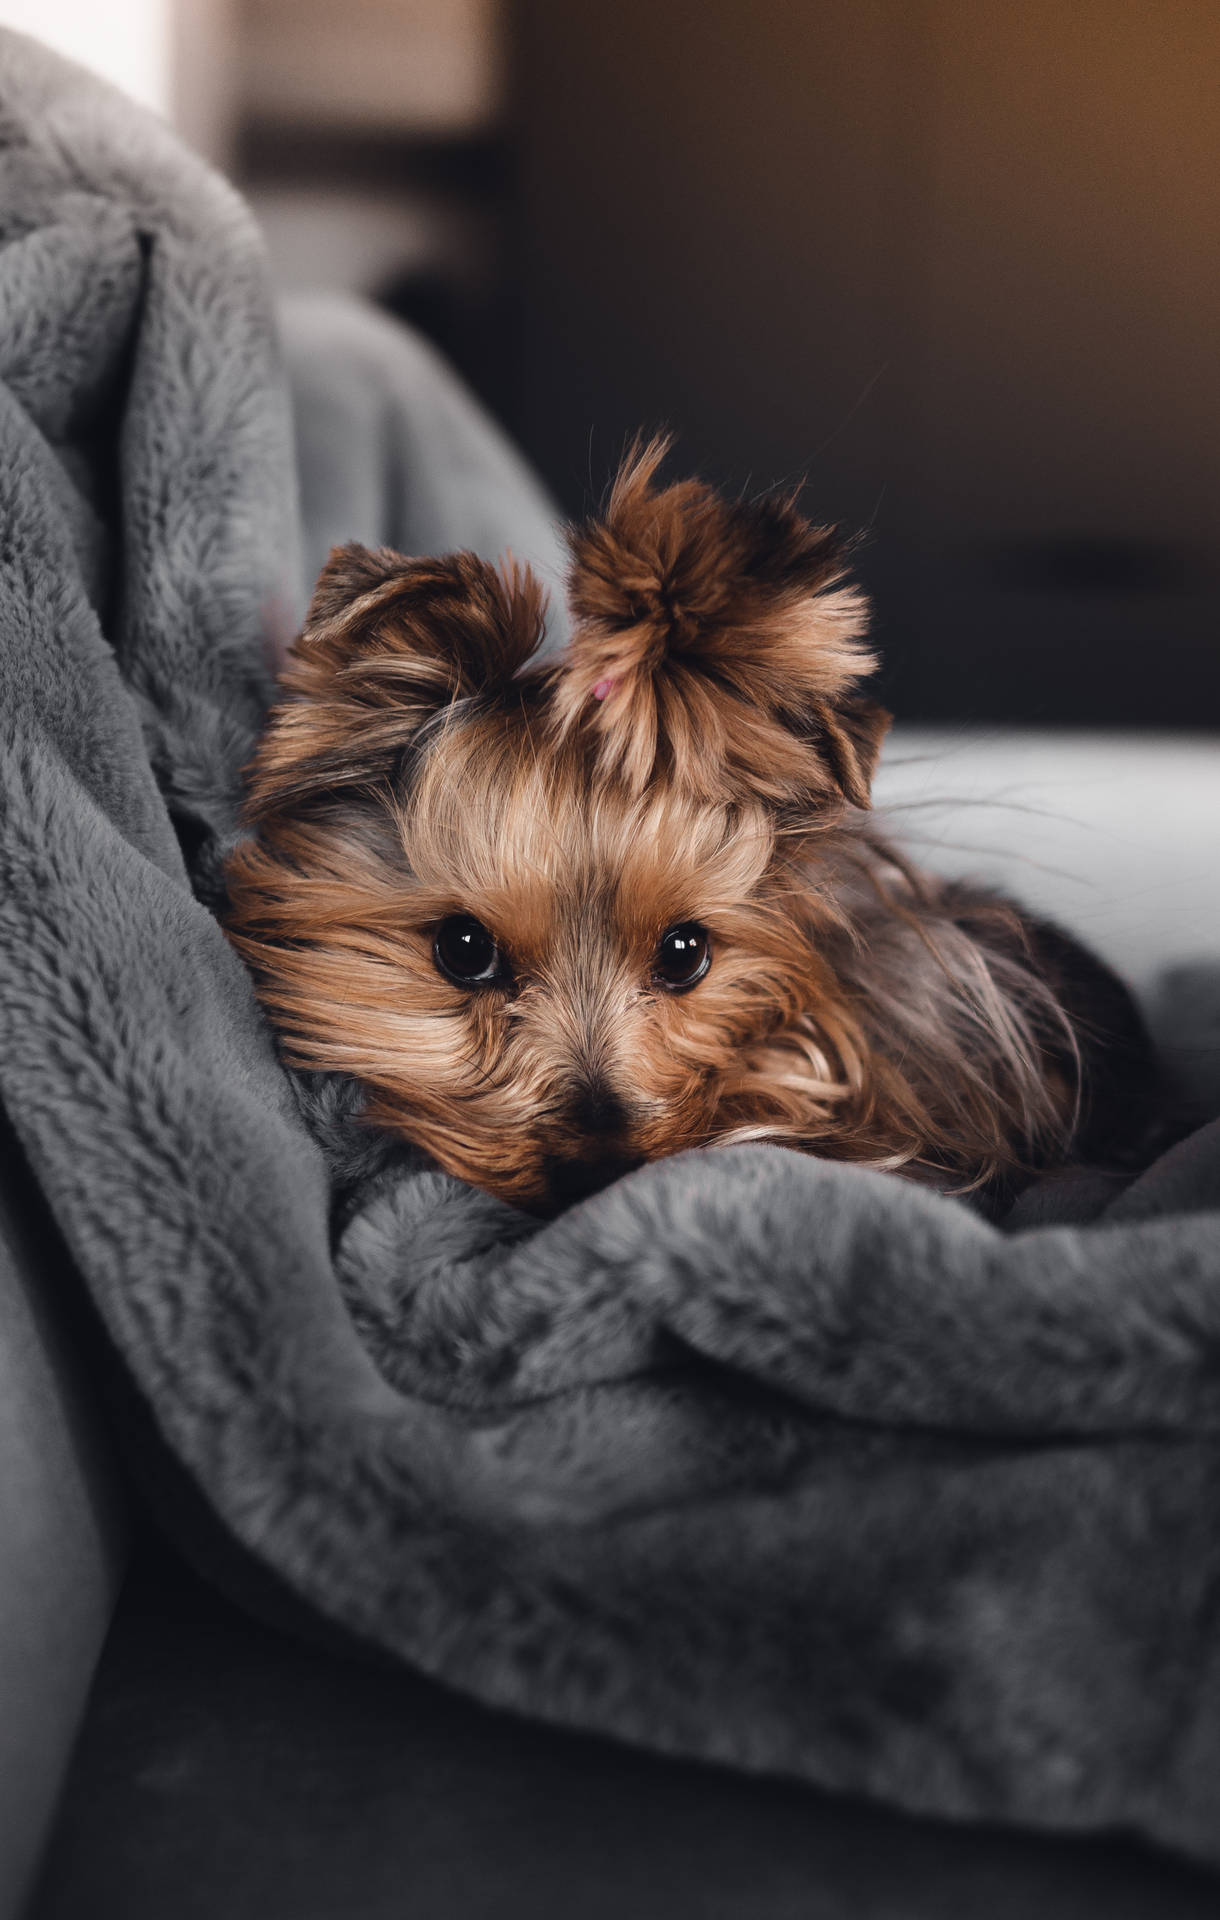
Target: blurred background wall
x=951 y=264
x=954 y=262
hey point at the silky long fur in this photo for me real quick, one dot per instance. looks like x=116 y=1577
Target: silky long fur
x=701 y=753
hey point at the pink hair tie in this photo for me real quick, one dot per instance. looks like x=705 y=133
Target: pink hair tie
x=603 y=688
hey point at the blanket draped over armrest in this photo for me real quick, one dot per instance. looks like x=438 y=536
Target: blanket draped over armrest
x=754 y=1458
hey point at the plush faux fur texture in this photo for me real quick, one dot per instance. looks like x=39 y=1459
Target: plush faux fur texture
x=753 y=1457
x=700 y=756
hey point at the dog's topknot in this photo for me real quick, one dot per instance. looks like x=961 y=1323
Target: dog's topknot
x=717 y=641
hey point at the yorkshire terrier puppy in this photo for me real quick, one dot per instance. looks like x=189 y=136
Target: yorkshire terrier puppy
x=558 y=917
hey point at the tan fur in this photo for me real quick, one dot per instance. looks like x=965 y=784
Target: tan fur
x=718 y=624
x=423 y=767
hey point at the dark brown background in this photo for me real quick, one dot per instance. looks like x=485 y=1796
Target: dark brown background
x=956 y=263
x=953 y=262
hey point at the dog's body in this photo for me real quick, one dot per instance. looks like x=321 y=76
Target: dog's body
x=560 y=917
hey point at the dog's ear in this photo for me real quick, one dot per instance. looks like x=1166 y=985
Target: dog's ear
x=720 y=642
x=388 y=643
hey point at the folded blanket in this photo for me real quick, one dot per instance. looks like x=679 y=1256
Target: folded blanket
x=782 y=1464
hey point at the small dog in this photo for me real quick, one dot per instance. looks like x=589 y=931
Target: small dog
x=561 y=917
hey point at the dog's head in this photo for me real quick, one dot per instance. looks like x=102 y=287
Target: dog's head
x=560 y=917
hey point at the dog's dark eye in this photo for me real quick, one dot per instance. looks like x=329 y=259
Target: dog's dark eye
x=683 y=956
x=466 y=953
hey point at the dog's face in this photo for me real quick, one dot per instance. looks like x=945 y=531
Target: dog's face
x=550 y=915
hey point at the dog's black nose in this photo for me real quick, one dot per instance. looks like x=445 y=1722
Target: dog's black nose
x=596 y=1108
x=568 y=1181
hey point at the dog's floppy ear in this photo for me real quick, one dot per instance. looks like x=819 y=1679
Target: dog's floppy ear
x=718 y=641
x=387 y=644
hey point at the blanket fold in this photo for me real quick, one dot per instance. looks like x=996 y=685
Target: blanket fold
x=752 y=1458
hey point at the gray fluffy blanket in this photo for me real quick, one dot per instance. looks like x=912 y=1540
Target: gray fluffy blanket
x=752 y=1458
